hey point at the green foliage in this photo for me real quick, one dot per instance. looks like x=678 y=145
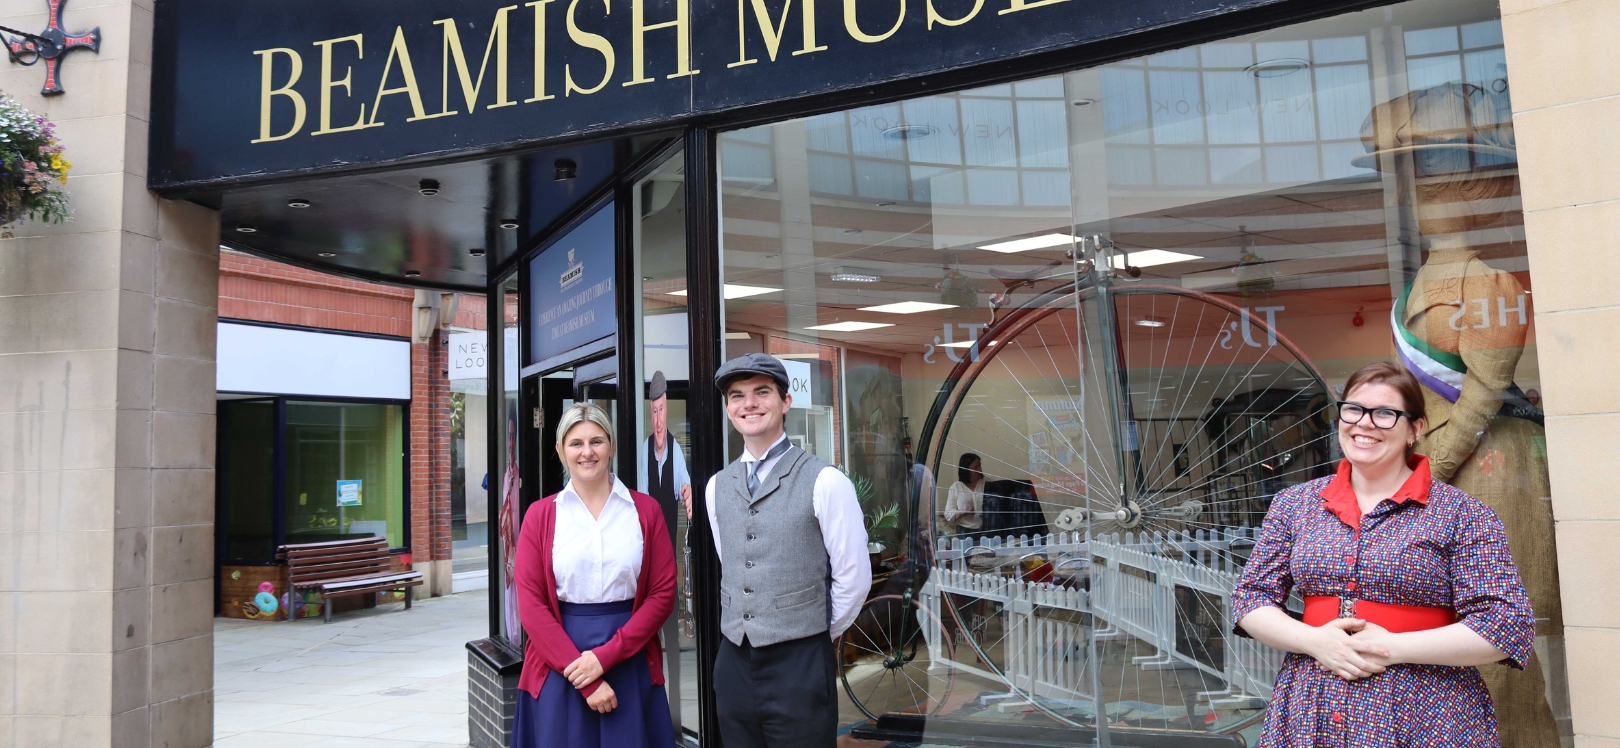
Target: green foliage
x=886 y=517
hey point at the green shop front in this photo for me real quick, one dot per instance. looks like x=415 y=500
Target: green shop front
x=1119 y=255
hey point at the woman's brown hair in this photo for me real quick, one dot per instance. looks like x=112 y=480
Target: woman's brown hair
x=1398 y=377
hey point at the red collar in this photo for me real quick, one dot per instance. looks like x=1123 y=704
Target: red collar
x=1339 y=497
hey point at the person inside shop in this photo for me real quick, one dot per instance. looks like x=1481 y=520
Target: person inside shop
x=1399 y=573
x=794 y=570
x=964 y=503
x=596 y=581
x=663 y=474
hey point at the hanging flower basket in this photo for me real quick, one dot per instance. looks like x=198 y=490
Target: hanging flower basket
x=32 y=167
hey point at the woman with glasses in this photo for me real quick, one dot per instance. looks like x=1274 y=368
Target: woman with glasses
x=1408 y=587
x=596 y=581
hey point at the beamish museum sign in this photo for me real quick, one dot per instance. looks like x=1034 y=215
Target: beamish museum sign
x=245 y=91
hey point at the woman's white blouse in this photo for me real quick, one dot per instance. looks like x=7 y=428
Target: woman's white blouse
x=596 y=559
x=965 y=506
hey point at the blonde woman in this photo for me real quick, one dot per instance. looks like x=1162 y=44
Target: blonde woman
x=596 y=581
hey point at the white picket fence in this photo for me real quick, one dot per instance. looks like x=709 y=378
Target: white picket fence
x=1044 y=646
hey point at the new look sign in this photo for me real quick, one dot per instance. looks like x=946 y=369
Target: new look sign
x=245 y=91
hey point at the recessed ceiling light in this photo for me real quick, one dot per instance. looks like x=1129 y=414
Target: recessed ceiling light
x=564 y=169
x=850 y=326
x=853 y=231
x=908 y=307
x=1150 y=323
x=960 y=344
x=327 y=254
x=735 y=291
x=412 y=273
x=508 y=223
x=1028 y=243
x=246 y=229
x=476 y=251
x=737 y=336
x=1147 y=258
x=909 y=132
x=1277 y=68
x=298 y=202
x=428 y=187
x=886 y=204
x=1084 y=102
x=844 y=276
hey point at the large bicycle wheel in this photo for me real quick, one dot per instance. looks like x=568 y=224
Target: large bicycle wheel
x=892 y=658
x=1131 y=438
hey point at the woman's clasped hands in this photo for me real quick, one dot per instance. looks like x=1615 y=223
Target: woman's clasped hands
x=1350 y=648
x=586 y=670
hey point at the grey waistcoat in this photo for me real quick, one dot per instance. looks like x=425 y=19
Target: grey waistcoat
x=775 y=579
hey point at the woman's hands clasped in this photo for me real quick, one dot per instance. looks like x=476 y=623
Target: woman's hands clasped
x=582 y=671
x=603 y=700
x=1338 y=650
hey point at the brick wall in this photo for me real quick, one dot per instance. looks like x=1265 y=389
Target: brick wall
x=251 y=288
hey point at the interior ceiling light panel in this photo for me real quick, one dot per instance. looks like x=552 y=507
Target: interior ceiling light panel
x=908 y=307
x=1028 y=243
x=735 y=291
x=851 y=326
x=1146 y=258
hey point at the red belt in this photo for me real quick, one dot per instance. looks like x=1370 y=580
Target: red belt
x=1399 y=619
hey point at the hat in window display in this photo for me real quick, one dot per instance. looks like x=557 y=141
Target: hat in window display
x=659 y=386
x=1448 y=129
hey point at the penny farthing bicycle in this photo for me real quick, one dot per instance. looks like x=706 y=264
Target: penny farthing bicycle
x=1131 y=435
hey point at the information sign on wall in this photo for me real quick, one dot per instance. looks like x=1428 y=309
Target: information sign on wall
x=571 y=289
x=799 y=373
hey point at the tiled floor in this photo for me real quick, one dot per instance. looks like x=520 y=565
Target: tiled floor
x=379 y=678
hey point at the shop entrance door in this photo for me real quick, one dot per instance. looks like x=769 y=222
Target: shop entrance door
x=548 y=395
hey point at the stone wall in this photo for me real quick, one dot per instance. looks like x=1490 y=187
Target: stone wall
x=1564 y=67
x=106 y=423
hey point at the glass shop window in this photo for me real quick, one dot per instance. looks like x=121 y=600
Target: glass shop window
x=1069 y=336
x=345 y=471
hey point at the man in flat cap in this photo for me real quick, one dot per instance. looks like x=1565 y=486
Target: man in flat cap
x=663 y=466
x=794 y=570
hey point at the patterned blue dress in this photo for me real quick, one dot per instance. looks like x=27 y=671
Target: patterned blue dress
x=1429 y=545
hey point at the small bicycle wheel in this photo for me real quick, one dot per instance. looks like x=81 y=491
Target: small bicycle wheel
x=893 y=669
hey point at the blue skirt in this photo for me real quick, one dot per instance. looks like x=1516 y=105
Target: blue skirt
x=559 y=718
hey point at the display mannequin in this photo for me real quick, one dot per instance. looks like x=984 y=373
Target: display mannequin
x=1461 y=327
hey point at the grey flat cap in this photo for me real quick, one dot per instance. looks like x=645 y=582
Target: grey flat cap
x=750 y=365
x=659 y=386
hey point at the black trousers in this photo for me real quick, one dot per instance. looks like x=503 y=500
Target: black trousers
x=781 y=696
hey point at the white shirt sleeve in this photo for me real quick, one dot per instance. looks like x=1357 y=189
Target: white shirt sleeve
x=714 y=516
x=843 y=531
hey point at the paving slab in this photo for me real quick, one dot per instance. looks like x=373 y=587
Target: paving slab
x=379 y=678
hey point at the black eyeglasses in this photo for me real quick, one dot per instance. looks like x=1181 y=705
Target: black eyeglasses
x=1384 y=418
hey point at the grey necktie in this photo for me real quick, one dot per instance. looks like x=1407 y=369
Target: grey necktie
x=753 y=468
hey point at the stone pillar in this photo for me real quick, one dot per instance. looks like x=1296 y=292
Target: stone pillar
x=1564 y=69
x=106 y=424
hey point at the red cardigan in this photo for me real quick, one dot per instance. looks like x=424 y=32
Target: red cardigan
x=549 y=647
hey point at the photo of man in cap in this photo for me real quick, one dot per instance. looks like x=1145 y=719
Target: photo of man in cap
x=663 y=466
x=794 y=570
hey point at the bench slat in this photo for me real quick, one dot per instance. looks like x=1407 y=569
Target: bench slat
x=342 y=568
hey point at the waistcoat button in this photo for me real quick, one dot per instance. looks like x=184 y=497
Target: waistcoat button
x=750 y=536
x=748 y=564
x=747 y=591
x=753 y=511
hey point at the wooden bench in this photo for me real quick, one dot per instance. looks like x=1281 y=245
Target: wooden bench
x=341 y=568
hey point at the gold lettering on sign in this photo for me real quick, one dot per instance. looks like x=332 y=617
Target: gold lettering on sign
x=935 y=17
x=1018 y=5
x=398 y=51
x=638 y=31
x=773 y=32
x=853 y=26
x=452 y=52
x=267 y=95
x=588 y=40
x=539 y=52
x=327 y=84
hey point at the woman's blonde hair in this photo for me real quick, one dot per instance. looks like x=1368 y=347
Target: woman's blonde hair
x=584 y=413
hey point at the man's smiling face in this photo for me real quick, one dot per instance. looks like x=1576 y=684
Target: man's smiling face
x=756 y=406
